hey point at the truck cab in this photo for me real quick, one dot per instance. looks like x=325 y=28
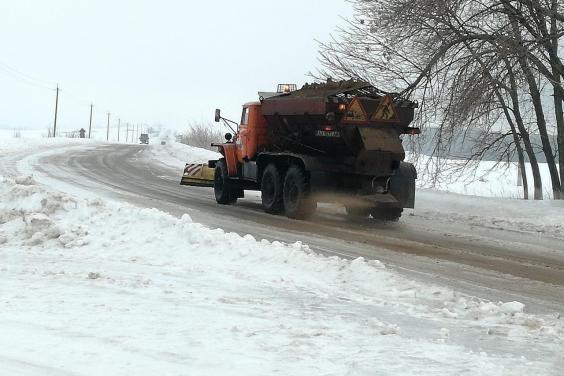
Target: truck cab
x=252 y=135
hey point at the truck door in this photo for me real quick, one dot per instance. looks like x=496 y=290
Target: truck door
x=243 y=139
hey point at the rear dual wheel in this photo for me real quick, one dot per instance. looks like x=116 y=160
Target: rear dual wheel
x=289 y=193
x=298 y=202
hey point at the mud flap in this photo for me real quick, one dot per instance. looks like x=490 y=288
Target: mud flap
x=197 y=174
x=402 y=185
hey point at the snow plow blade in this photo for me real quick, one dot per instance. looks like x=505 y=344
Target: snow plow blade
x=197 y=174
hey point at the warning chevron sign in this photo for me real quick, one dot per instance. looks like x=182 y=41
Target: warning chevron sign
x=355 y=112
x=386 y=110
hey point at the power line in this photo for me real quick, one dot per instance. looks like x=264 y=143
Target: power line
x=76 y=98
x=15 y=71
x=24 y=80
x=42 y=84
x=51 y=86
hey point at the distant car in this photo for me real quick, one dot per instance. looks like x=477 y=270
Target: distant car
x=144 y=138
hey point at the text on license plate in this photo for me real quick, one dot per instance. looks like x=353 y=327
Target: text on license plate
x=328 y=133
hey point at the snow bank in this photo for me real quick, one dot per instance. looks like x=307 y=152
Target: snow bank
x=13 y=145
x=176 y=155
x=90 y=286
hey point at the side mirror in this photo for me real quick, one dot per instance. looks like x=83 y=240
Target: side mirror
x=217 y=115
x=228 y=137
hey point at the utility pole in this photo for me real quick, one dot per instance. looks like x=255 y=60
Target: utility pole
x=56 y=110
x=127 y=134
x=119 y=123
x=108 y=129
x=90 y=124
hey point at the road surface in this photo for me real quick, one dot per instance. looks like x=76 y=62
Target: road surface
x=481 y=261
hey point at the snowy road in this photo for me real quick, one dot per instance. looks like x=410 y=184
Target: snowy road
x=91 y=284
x=477 y=259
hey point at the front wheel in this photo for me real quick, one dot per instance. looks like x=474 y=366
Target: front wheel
x=298 y=202
x=224 y=192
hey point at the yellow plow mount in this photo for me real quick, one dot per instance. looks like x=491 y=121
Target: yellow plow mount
x=197 y=174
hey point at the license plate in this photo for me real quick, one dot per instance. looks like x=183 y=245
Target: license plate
x=328 y=133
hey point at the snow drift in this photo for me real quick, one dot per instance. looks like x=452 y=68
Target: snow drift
x=92 y=286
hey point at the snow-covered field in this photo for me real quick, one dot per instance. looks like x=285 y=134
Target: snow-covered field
x=486 y=178
x=93 y=286
x=97 y=133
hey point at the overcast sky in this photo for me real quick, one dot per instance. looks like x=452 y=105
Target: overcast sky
x=167 y=61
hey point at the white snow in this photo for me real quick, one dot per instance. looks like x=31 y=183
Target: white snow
x=13 y=145
x=93 y=286
x=487 y=179
x=176 y=155
x=535 y=217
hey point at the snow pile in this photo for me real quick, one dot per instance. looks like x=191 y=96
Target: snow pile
x=90 y=286
x=176 y=155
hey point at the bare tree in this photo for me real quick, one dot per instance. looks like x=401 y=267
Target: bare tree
x=473 y=65
x=200 y=135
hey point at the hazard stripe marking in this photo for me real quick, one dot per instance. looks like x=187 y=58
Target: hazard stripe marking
x=193 y=167
x=195 y=171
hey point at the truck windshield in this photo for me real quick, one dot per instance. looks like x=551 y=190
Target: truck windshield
x=245 y=116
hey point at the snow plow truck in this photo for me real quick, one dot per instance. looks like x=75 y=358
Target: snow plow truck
x=326 y=142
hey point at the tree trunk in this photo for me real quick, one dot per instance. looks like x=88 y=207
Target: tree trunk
x=522 y=167
x=541 y=124
x=539 y=112
x=556 y=65
x=537 y=179
x=558 y=98
x=501 y=99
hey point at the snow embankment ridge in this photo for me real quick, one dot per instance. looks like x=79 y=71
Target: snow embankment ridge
x=166 y=292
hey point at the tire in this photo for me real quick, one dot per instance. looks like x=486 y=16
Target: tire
x=224 y=192
x=271 y=187
x=298 y=203
x=387 y=214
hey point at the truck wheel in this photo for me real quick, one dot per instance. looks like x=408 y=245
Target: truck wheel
x=224 y=193
x=271 y=190
x=298 y=202
x=387 y=214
